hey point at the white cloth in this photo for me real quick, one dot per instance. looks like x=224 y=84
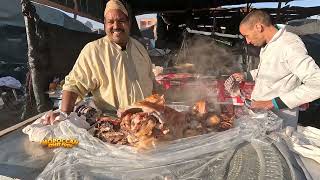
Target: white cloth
x=305 y=142
x=286 y=71
x=10 y=82
x=38 y=131
x=312 y=168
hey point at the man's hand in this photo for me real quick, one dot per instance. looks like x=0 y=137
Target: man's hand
x=50 y=117
x=265 y=105
x=68 y=100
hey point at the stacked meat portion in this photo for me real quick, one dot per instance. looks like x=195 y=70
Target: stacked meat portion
x=147 y=122
x=200 y=120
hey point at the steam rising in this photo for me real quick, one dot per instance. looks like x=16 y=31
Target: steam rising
x=208 y=57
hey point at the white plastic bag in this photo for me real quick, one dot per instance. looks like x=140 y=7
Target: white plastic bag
x=38 y=131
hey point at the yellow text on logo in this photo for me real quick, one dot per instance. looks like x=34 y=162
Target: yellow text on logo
x=57 y=142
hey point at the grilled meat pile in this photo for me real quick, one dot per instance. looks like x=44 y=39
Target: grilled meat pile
x=200 y=120
x=150 y=121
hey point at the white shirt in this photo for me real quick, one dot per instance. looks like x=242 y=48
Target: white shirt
x=286 y=71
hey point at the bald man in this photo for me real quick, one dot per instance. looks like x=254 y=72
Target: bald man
x=116 y=69
x=287 y=76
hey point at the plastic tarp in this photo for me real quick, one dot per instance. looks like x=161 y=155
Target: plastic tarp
x=10 y=82
x=201 y=157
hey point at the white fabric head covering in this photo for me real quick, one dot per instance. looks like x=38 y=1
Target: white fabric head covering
x=115 y=4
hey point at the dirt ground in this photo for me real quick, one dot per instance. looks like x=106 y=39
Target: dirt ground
x=9 y=117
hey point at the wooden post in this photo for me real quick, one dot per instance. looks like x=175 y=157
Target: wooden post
x=36 y=59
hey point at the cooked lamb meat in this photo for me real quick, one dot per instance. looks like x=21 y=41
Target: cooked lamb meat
x=149 y=104
x=149 y=121
x=226 y=122
x=107 y=132
x=114 y=137
x=200 y=109
x=115 y=122
x=213 y=120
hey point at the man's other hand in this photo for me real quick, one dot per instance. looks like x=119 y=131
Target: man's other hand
x=265 y=105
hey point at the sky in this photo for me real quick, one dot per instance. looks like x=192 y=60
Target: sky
x=302 y=3
x=305 y=3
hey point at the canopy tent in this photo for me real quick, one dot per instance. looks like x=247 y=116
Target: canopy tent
x=94 y=9
x=10 y=14
x=182 y=11
x=13 y=44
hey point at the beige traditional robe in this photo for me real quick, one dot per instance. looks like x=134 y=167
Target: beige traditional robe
x=116 y=78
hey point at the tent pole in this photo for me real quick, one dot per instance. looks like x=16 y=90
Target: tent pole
x=35 y=59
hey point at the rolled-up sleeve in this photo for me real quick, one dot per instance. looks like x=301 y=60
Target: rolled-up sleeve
x=81 y=79
x=303 y=66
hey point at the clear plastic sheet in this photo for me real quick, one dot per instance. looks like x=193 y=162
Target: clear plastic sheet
x=201 y=157
x=260 y=123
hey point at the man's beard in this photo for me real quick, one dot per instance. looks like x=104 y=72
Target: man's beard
x=117 y=30
x=261 y=44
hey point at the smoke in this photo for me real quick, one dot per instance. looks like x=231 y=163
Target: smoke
x=208 y=57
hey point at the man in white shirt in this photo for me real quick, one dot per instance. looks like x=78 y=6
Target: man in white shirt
x=287 y=76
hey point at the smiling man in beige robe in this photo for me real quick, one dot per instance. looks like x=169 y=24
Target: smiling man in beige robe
x=116 y=69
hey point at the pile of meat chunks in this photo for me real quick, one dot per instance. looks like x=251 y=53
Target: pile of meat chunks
x=150 y=121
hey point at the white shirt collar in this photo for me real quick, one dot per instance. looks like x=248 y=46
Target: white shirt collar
x=275 y=37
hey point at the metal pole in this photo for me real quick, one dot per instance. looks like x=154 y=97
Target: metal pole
x=278 y=12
